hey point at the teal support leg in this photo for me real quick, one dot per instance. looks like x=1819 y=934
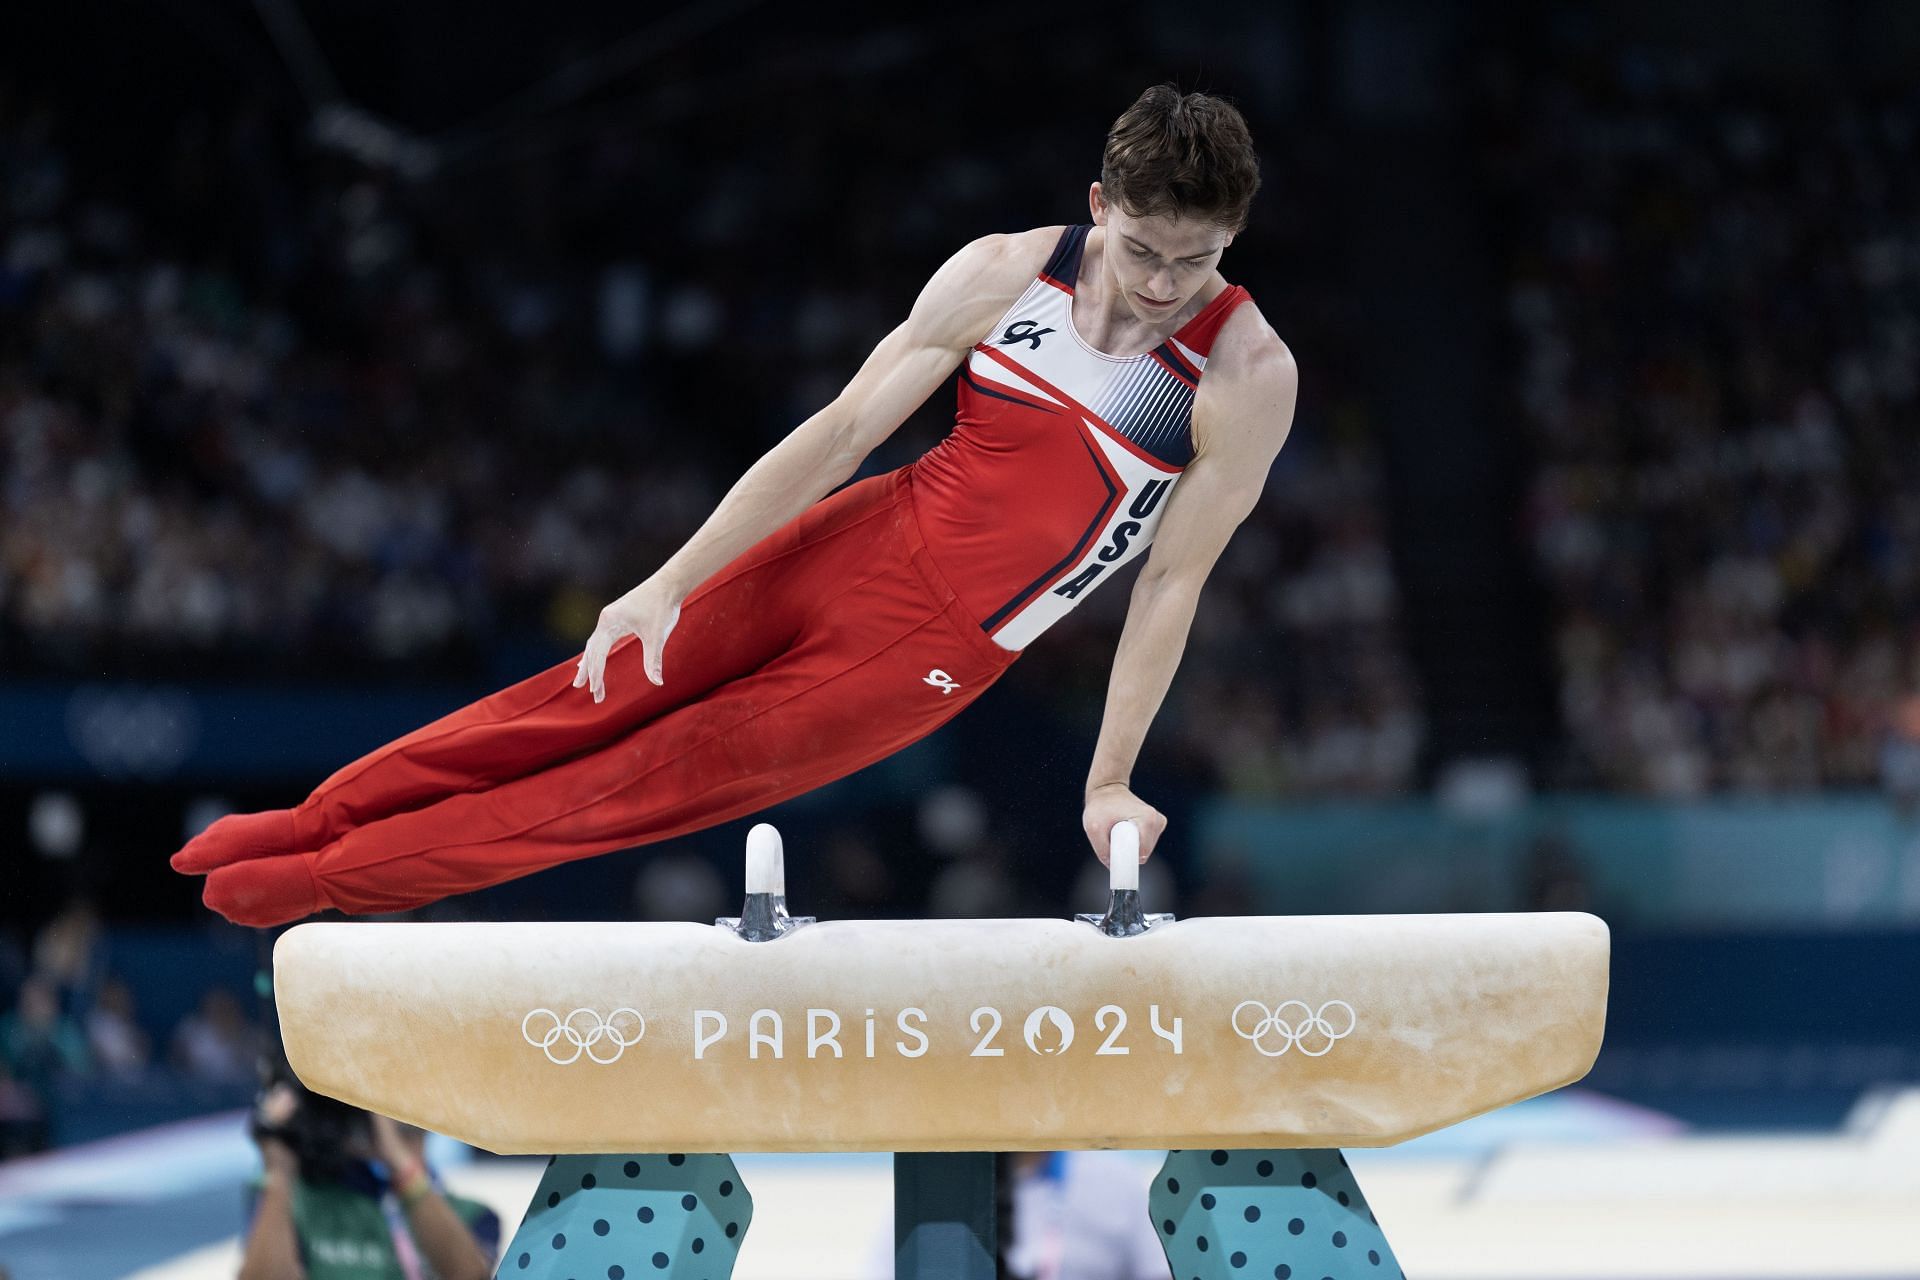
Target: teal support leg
x=1288 y=1215
x=675 y=1217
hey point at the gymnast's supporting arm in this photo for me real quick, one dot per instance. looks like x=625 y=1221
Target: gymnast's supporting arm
x=1241 y=417
x=955 y=309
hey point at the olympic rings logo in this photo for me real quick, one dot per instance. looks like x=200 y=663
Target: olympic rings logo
x=1313 y=1033
x=581 y=1031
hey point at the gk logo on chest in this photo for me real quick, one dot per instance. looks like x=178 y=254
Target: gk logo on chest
x=1114 y=549
x=1023 y=331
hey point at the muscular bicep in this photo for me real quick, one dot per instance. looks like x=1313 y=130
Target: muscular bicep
x=896 y=379
x=1211 y=499
x=952 y=313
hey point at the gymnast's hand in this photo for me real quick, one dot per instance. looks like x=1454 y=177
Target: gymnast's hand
x=649 y=611
x=1113 y=802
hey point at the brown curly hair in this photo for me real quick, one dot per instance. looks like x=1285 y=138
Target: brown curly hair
x=1187 y=155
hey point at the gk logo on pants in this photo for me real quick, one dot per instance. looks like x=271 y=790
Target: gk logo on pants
x=940 y=680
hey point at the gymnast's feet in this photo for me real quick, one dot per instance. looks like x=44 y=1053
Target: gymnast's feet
x=255 y=874
x=265 y=891
x=238 y=837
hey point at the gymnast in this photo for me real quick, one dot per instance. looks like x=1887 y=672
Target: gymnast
x=1115 y=393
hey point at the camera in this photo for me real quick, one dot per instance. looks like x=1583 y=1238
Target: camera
x=324 y=1133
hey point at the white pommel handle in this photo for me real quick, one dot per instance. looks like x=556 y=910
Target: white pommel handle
x=766 y=861
x=1123 y=855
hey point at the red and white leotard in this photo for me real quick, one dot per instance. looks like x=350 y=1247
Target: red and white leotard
x=858 y=627
x=1059 y=466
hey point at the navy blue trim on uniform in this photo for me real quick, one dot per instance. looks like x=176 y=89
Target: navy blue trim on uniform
x=1152 y=406
x=1171 y=354
x=1063 y=268
x=1039 y=583
x=1176 y=448
x=981 y=388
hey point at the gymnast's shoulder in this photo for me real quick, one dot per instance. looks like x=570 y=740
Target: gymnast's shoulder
x=986 y=276
x=1005 y=261
x=1250 y=387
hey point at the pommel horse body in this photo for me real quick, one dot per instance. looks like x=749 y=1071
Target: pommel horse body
x=1254 y=1046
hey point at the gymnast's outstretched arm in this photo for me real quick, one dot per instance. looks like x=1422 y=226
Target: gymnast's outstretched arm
x=953 y=312
x=1241 y=416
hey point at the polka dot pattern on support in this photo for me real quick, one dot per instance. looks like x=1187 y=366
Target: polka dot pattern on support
x=1266 y=1213
x=624 y=1216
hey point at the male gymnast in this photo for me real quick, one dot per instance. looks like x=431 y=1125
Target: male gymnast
x=1115 y=392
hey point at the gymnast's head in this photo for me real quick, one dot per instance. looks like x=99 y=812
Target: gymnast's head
x=1177 y=180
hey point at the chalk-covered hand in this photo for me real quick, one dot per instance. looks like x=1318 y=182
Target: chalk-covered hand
x=649 y=612
x=1114 y=802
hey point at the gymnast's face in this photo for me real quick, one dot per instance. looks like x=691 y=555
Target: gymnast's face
x=1158 y=262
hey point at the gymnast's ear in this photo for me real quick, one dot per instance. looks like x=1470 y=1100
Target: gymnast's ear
x=1097 y=205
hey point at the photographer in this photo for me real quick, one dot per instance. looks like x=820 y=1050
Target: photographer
x=348 y=1194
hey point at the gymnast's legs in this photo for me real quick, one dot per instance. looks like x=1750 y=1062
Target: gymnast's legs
x=804 y=660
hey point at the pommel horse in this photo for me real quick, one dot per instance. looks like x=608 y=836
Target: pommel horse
x=1253 y=1046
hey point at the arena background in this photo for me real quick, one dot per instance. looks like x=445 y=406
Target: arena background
x=353 y=355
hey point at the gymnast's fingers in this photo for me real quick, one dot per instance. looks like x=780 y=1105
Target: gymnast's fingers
x=1152 y=824
x=1098 y=836
x=597 y=665
x=650 y=657
x=652 y=647
x=585 y=671
x=595 y=668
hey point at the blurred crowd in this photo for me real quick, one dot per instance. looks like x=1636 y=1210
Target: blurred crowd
x=70 y=1026
x=1715 y=309
x=285 y=413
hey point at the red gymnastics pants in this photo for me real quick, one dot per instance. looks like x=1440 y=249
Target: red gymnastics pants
x=831 y=644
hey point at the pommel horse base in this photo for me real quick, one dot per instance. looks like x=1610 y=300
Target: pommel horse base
x=1255 y=1047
